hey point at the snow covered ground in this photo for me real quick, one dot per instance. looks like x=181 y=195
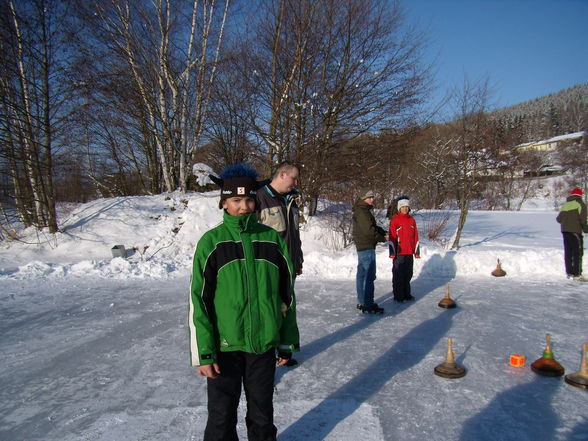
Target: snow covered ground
x=95 y=348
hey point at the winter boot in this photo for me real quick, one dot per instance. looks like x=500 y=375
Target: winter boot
x=373 y=309
x=291 y=362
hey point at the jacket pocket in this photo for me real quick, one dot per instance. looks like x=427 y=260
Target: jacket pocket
x=273 y=217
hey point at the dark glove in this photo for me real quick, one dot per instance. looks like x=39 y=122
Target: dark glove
x=285 y=355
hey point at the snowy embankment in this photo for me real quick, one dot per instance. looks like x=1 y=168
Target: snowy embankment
x=160 y=232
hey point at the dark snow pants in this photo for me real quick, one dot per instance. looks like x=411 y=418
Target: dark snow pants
x=256 y=373
x=401 y=275
x=573 y=251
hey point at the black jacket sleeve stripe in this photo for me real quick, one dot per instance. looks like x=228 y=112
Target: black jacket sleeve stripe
x=267 y=251
x=270 y=251
x=223 y=254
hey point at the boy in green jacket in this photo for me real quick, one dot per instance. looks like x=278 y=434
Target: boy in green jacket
x=242 y=310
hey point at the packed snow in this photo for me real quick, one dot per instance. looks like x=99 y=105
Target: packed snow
x=94 y=347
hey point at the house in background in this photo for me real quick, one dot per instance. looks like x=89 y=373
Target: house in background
x=547 y=149
x=551 y=144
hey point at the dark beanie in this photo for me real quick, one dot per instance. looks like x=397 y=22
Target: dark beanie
x=238 y=180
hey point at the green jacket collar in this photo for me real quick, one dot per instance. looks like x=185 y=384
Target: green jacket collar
x=240 y=223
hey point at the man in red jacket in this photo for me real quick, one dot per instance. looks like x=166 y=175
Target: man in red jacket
x=404 y=238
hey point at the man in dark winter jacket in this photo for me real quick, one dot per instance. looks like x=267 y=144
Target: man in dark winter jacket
x=572 y=218
x=366 y=234
x=277 y=207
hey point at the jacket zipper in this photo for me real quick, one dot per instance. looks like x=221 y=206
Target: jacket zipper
x=245 y=253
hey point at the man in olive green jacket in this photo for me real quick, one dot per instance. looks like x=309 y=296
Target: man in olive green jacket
x=366 y=234
x=572 y=218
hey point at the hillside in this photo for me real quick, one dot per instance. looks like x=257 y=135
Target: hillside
x=559 y=113
x=562 y=99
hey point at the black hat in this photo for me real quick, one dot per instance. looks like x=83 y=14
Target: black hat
x=236 y=180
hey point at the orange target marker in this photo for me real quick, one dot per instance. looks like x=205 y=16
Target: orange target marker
x=517 y=360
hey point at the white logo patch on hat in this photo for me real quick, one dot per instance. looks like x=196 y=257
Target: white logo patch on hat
x=240 y=190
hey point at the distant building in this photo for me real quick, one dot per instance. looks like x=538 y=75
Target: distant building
x=551 y=144
x=546 y=149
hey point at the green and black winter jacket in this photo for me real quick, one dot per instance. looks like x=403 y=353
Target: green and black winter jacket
x=241 y=292
x=572 y=216
x=366 y=233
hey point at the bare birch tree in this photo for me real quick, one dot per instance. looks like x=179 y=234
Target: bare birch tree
x=429 y=173
x=34 y=105
x=166 y=52
x=470 y=141
x=324 y=71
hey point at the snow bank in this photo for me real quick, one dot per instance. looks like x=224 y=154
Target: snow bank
x=160 y=234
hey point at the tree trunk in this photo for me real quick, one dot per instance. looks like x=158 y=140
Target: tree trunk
x=30 y=147
x=48 y=191
x=463 y=214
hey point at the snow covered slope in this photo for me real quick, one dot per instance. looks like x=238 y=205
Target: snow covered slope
x=160 y=234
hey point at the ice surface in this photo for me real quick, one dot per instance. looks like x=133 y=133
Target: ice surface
x=95 y=348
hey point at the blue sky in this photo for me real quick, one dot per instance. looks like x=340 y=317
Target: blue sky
x=526 y=48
